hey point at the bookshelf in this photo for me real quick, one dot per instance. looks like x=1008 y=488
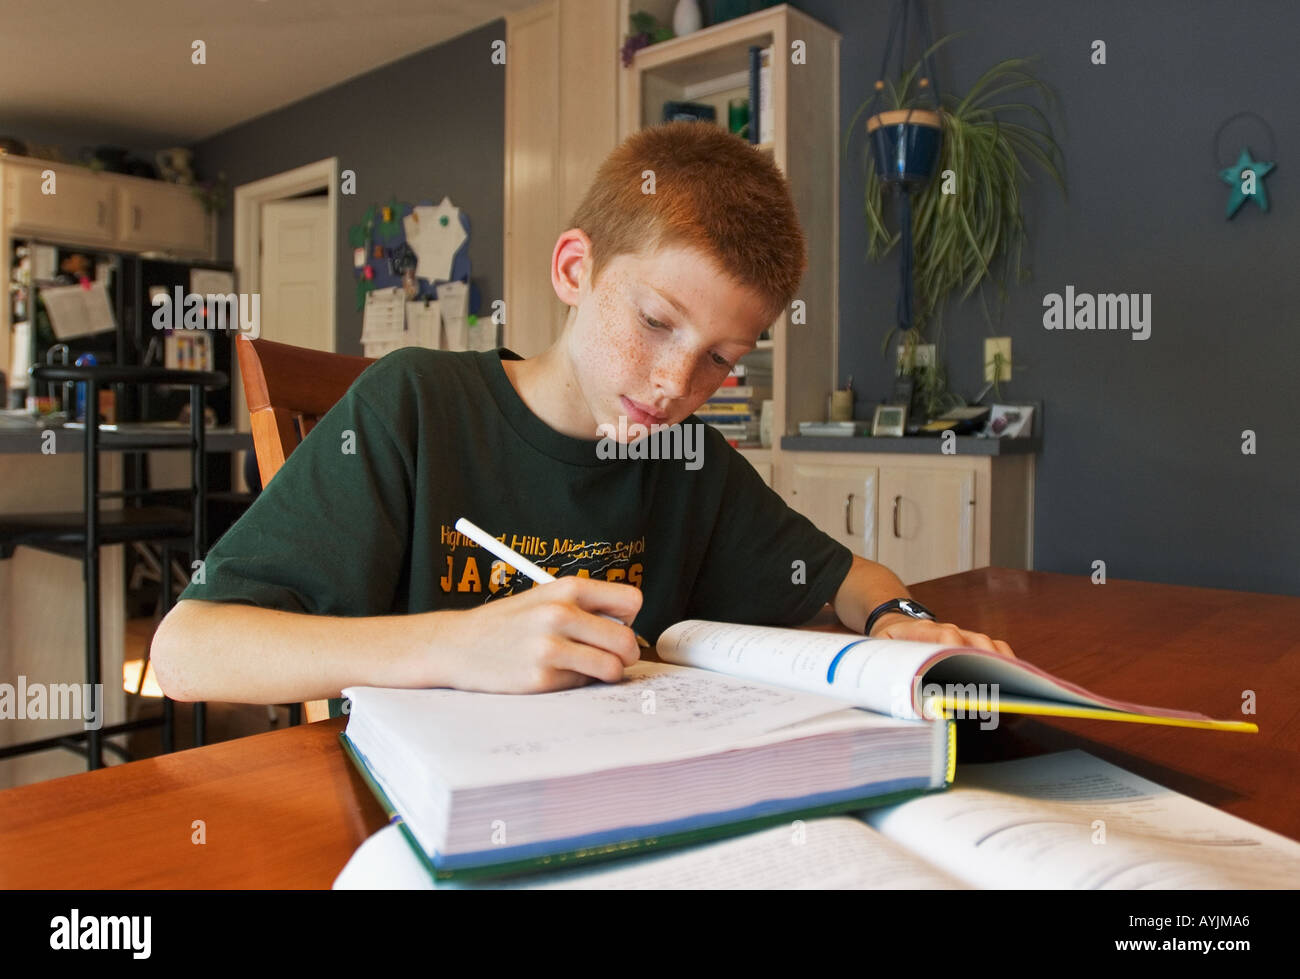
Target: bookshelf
x=712 y=66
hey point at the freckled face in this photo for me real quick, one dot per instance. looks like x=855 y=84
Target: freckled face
x=658 y=334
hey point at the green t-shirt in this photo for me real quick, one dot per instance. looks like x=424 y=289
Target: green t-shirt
x=360 y=519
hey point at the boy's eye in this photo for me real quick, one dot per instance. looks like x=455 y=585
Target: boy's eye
x=654 y=324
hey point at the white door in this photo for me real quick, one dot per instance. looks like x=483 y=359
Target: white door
x=295 y=272
x=293 y=279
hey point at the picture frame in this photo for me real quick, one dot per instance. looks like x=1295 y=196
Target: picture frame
x=1009 y=421
x=889 y=421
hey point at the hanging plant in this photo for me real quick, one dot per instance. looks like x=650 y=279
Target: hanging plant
x=967 y=224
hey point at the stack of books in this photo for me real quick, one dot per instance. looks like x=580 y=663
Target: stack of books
x=735 y=408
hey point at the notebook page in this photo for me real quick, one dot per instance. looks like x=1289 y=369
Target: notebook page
x=839 y=853
x=1069 y=820
x=474 y=739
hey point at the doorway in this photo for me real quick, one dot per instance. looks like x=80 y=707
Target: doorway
x=286 y=230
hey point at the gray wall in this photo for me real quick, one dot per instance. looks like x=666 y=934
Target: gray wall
x=430 y=125
x=1142 y=464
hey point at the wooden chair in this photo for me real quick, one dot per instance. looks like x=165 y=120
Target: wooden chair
x=288 y=389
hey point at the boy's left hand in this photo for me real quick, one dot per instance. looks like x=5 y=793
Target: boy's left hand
x=896 y=625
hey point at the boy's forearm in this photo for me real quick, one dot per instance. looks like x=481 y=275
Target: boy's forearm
x=866 y=586
x=245 y=654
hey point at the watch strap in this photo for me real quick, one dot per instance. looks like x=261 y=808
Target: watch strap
x=907 y=606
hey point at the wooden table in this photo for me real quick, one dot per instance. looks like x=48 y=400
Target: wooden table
x=286 y=809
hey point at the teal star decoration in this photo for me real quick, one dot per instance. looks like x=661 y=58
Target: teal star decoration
x=1236 y=177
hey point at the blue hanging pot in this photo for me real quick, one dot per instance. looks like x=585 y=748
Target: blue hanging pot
x=905 y=145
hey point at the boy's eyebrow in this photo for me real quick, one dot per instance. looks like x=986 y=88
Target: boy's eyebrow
x=682 y=309
x=676 y=305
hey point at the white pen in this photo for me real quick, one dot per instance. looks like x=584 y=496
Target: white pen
x=516 y=560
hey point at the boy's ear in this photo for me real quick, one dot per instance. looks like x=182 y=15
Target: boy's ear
x=571 y=265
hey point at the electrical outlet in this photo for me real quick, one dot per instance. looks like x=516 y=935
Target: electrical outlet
x=923 y=355
x=993 y=346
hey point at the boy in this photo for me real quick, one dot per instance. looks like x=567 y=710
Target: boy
x=347 y=569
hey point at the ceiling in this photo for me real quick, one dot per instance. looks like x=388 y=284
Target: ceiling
x=122 y=70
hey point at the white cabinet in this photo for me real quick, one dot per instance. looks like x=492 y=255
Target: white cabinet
x=109 y=210
x=61 y=202
x=927 y=522
x=922 y=516
x=840 y=500
x=156 y=216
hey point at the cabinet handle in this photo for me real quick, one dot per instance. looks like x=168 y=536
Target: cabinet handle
x=848 y=507
x=99 y=214
x=897 y=500
x=135 y=217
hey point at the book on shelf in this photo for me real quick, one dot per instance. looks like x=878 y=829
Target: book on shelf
x=738 y=728
x=722 y=414
x=1028 y=823
x=748 y=392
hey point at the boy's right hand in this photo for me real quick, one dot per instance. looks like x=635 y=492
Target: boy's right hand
x=550 y=637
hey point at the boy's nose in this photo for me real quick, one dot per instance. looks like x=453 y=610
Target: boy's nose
x=672 y=378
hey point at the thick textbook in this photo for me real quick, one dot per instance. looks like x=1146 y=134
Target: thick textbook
x=902 y=678
x=491 y=784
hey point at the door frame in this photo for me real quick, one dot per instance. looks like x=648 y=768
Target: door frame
x=249 y=198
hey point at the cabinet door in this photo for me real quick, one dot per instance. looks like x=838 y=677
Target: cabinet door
x=80 y=209
x=156 y=216
x=927 y=522
x=839 y=500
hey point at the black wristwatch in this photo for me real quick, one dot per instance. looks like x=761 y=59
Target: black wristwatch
x=908 y=606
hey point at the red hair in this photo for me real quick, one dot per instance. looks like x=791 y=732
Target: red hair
x=713 y=192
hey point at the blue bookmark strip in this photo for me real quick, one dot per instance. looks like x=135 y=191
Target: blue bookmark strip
x=830 y=671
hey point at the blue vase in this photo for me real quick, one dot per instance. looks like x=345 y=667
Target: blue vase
x=905 y=145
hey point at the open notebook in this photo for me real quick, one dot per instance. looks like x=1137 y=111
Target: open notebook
x=1059 y=821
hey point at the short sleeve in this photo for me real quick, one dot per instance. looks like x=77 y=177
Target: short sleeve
x=765 y=563
x=329 y=534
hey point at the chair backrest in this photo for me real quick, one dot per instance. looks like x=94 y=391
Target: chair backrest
x=284 y=384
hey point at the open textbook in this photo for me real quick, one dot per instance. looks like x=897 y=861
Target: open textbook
x=903 y=678
x=1059 y=821
x=495 y=783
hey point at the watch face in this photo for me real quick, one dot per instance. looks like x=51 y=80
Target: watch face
x=912 y=609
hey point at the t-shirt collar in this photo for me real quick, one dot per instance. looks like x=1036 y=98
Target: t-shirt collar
x=534 y=431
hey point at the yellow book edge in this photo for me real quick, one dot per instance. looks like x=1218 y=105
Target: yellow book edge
x=951 y=705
